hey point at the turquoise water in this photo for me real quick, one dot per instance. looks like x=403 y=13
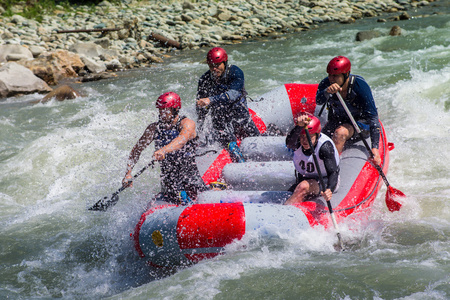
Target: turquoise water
x=58 y=158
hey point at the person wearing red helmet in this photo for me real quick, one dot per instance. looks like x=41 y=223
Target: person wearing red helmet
x=221 y=90
x=307 y=184
x=359 y=99
x=175 y=143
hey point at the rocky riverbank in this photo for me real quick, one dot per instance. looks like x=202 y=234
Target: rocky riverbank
x=86 y=42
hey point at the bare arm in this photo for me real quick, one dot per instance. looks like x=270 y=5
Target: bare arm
x=145 y=140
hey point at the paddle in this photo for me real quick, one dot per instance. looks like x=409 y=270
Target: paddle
x=330 y=208
x=105 y=203
x=391 y=192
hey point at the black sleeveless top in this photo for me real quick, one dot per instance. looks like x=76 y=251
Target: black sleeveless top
x=179 y=170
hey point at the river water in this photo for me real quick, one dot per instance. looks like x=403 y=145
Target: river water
x=58 y=158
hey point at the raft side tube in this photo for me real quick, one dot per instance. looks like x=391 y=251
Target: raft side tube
x=176 y=236
x=233 y=196
x=271 y=220
x=266 y=148
x=182 y=235
x=158 y=237
x=360 y=181
x=266 y=176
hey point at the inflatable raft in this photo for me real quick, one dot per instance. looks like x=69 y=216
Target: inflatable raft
x=168 y=235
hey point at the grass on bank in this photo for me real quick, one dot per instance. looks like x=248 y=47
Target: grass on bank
x=36 y=9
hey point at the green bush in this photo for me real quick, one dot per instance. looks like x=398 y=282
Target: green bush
x=36 y=9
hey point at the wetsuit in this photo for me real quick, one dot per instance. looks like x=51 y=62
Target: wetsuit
x=179 y=170
x=228 y=105
x=359 y=101
x=328 y=159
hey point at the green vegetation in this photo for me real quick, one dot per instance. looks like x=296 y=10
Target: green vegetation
x=35 y=9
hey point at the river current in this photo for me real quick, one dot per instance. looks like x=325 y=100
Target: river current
x=58 y=158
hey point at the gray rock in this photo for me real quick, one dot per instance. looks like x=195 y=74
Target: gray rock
x=224 y=16
x=7 y=35
x=19 y=20
x=15 y=79
x=404 y=16
x=113 y=64
x=367 y=35
x=395 y=30
x=87 y=49
x=104 y=42
x=61 y=93
x=36 y=50
x=212 y=11
x=188 y=5
x=14 y=52
x=92 y=65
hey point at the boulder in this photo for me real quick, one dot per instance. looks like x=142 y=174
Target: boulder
x=98 y=76
x=36 y=50
x=14 y=52
x=404 y=16
x=93 y=66
x=87 y=49
x=367 y=35
x=113 y=64
x=395 y=30
x=188 y=5
x=16 y=79
x=223 y=15
x=104 y=42
x=54 y=66
x=61 y=93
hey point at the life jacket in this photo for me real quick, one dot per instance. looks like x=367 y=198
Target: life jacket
x=223 y=85
x=335 y=106
x=304 y=164
x=183 y=159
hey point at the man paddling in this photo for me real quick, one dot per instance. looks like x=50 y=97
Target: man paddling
x=307 y=184
x=221 y=90
x=358 y=97
x=175 y=143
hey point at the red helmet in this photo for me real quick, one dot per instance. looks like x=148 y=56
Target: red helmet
x=313 y=126
x=168 y=100
x=339 y=65
x=216 y=55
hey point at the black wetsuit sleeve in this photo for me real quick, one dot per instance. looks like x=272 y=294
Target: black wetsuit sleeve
x=326 y=153
x=203 y=88
x=368 y=109
x=292 y=139
x=321 y=95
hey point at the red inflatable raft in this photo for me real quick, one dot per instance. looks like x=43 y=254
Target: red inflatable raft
x=169 y=235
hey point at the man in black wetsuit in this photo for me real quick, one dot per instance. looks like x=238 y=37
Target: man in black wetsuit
x=175 y=142
x=221 y=90
x=307 y=175
x=358 y=97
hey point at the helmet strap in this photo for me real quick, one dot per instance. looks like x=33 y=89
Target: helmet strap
x=317 y=139
x=346 y=75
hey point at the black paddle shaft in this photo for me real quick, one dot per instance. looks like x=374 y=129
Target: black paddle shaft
x=358 y=130
x=322 y=184
x=316 y=162
x=104 y=204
